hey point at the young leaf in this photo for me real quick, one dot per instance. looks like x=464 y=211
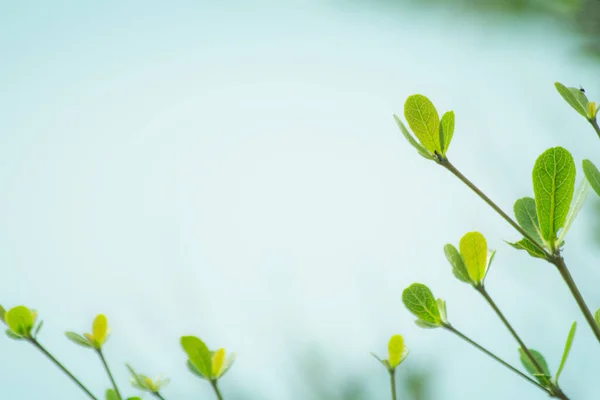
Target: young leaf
x=99 y=329
x=13 y=335
x=19 y=320
x=198 y=354
x=525 y=244
x=553 y=182
x=395 y=350
x=458 y=266
x=111 y=395
x=566 y=351
x=578 y=199
x=2 y=312
x=420 y=149
x=530 y=367
x=446 y=130
x=597 y=316
x=423 y=119
x=194 y=370
x=442 y=309
x=592 y=175
x=571 y=98
x=78 y=339
x=385 y=363
x=526 y=215
x=473 y=249
x=420 y=301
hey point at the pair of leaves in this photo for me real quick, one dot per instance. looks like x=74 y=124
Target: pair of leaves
x=204 y=363
x=144 y=383
x=545 y=376
x=472 y=263
x=95 y=339
x=578 y=100
x=112 y=395
x=433 y=135
x=21 y=322
x=419 y=300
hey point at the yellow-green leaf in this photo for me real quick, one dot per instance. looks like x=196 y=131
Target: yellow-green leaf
x=424 y=121
x=78 y=339
x=395 y=350
x=99 y=329
x=19 y=320
x=592 y=175
x=217 y=362
x=446 y=130
x=458 y=266
x=198 y=355
x=473 y=249
x=418 y=146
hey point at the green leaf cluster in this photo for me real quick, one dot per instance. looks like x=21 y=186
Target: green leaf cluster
x=20 y=322
x=206 y=364
x=419 y=300
x=433 y=136
x=471 y=264
x=577 y=99
x=397 y=353
x=94 y=340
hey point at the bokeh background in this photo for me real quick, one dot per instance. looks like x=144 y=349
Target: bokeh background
x=232 y=170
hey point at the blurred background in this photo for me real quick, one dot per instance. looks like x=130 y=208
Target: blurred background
x=232 y=170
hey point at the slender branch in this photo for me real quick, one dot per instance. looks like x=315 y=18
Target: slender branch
x=213 y=383
x=393 y=383
x=566 y=275
x=594 y=123
x=555 y=389
x=112 y=380
x=495 y=357
x=448 y=165
x=62 y=367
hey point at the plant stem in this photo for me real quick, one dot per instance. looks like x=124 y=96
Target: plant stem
x=62 y=367
x=393 y=383
x=448 y=165
x=495 y=357
x=112 y=380
x=594 y=123
x=158 y=395
x=213 y=383
x=555 y=389
x=559 y=262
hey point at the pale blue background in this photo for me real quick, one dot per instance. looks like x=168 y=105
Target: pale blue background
x=232 y=170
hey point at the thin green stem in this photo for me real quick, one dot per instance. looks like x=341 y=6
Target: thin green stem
x=110 y=376
x=444 y=162
x=393 y=383
x=594 y=123
x=158 y=395
x=555 y=389
x=495 y=357
x=62 y=367
x=559 y=262
x=213 y=383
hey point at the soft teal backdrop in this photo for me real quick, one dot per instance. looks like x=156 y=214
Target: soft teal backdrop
x=232 y=170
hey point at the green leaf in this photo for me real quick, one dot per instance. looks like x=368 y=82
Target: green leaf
x=13 y=335
x=78 y=339
x=2 y=313
x=592 y=175
x=526 y=216
x=530 y=367
x=111 y=395
x=442 y=309
x=420 y=301
x=566 y=351
x=198 y=354
x=423 y=119
x=426 y=325
x=385 y=363
x=420 y=149
x=446 y=130
x=194 y=370
x=458 y=266
x=578 y=200
x=525 y=244
x=473 y=250
x=571 y=97
x=597 y=316
x=553 y=183
x=134 y=398
x=19 y=320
